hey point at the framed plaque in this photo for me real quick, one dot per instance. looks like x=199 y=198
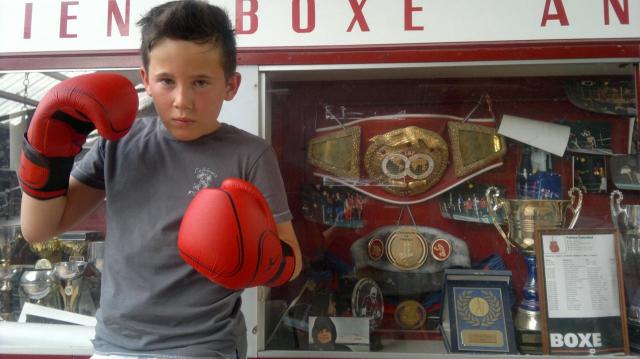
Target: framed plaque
x=581 y=292
x=476 y=312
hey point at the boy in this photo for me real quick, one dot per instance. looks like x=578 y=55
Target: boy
x=152 y=303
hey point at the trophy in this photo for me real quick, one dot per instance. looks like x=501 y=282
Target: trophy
x=7 y=273
x=8 y=238
x=49 y=249
x=626 y=218
x=70 y=275
x=95 y=252
x=39 y=287
x=367 y=301
x=73 y=248
x=523 y=217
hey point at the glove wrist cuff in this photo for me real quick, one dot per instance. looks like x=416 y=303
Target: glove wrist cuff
x=43 y=177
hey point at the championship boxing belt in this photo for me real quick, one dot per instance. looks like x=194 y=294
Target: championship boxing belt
x=408 y=259
x=408 y=159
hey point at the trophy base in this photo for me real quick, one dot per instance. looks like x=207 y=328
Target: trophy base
x=634 y=336
x=528 y=331
x=375 y=343
x=529 y=341
x=5 y=303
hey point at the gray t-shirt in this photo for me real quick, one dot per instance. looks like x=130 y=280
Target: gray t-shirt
x=152 y=302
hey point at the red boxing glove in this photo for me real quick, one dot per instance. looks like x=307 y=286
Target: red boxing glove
x=61 y=123
x=228 y=235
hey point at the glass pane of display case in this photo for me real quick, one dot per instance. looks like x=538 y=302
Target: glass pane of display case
x=397 y=174
x=64 y=272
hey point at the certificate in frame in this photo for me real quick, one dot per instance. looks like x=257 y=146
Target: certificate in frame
x=581 y=292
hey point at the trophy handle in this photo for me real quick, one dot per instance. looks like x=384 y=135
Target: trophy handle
x=575 y=210
x=614 y=201
x=493 y=204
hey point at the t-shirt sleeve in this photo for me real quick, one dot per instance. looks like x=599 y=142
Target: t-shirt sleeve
x=90 y=168
x=265 y=174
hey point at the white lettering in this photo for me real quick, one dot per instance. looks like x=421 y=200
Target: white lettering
x=555 y=340
x=584 y=340
x=572 y=340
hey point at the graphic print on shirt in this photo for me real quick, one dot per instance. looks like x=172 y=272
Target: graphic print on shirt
x=204 y=178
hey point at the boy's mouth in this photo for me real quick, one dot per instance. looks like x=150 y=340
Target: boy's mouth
x=182 y=121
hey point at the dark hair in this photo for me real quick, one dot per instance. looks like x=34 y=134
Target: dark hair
x=324 y=323
x=189 y=20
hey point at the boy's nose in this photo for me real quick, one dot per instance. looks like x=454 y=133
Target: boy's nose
x=183 y=99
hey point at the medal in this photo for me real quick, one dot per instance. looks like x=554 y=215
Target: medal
x=375 y=249
x=406 y=249
x=410 y=314
x=440 y=249
x=367 y=301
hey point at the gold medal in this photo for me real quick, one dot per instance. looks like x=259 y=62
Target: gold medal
x=410 y=314
x=406 y=249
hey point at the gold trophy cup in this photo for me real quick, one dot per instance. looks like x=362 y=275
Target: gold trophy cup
x=522 y=218
x=626 y=218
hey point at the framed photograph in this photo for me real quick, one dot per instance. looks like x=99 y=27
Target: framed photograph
x=591 y=137
x=476 y=312
x=581 y=290
x=590 y=173
x=333 y=206
x=625 y=171
x=467 y=203
x=339 y=333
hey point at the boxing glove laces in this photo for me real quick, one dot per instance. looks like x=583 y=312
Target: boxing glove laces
x=61 y=123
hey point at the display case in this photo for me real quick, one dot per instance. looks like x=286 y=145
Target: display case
x=419 y=142
x=387 y=170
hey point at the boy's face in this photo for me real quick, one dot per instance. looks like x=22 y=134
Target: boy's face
x=325 y=336
x=188 y=86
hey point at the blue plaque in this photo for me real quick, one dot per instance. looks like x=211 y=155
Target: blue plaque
x=476 y=312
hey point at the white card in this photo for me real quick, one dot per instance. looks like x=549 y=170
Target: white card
x=546 y=136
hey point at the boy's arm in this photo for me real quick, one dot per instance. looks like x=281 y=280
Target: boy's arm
x=43 y=219
x=51 y=201
x=287 y=235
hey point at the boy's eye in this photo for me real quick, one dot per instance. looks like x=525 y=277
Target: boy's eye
x=200 y=83
x=166 y=82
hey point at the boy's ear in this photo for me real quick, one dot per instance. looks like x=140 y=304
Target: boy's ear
x=233 y=83
x=145 y=80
